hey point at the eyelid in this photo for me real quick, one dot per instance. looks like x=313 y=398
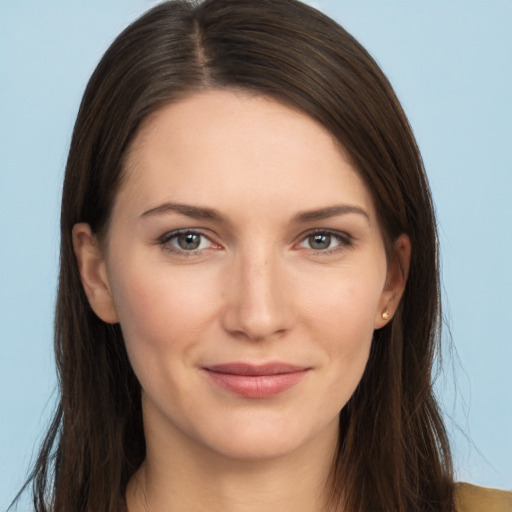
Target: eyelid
x=346 y=240
x=166 y=238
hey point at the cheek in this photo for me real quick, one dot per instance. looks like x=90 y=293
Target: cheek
x=341 y=317
x=350 y=321
x=345 y=304
x=161 y=314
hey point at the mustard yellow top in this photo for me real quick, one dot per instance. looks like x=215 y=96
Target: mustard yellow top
x=471 y=498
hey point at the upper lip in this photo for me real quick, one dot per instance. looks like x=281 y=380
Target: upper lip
x=255 y=369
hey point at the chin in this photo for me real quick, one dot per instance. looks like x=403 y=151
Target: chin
x=264 y=437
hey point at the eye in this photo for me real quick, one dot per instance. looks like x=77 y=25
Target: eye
x=320 y=241
x=326 y=241
x=186 y=241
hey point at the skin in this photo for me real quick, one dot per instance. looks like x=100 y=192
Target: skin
x=259 y=288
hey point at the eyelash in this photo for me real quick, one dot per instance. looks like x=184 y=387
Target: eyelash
x=345 y=241
x=165 y=242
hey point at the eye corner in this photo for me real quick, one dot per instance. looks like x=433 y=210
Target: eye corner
x=325 y=237
x=176 y=243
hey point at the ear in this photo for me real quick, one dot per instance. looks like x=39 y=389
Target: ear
x=93 y=273
x=396 y=279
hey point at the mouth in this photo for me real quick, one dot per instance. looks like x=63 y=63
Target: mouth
x=256 y=381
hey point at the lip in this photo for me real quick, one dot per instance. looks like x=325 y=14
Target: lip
x=256 y=380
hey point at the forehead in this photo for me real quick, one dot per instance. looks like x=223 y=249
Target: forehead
x=238 y=149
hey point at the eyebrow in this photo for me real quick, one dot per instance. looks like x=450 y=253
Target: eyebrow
x=194 y=212
x=328 y=212
x=199 y=212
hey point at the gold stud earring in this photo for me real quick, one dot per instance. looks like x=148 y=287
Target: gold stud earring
x=385 y=315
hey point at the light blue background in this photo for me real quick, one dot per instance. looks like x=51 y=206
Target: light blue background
x=451 y=65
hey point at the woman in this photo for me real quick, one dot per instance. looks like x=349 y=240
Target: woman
x=248 y=300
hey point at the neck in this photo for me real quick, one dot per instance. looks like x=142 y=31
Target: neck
x=186 y=478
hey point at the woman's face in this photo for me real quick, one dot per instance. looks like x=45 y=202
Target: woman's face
x=246 y=267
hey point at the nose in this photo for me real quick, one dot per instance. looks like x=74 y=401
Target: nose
x=259 y=300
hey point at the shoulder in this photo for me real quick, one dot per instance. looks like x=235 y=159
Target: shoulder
x=471 y=498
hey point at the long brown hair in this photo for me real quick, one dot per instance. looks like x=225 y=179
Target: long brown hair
x=393 y=453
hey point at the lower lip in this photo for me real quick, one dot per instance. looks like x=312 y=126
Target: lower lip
x=256 y=386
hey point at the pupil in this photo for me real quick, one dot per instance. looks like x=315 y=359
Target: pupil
x=189 y=241
x=320 y=241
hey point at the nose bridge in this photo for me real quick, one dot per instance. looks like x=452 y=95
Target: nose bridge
x=257 y=305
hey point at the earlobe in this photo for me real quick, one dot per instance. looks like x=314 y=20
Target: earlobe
x=396 y=279
x=92 y=268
